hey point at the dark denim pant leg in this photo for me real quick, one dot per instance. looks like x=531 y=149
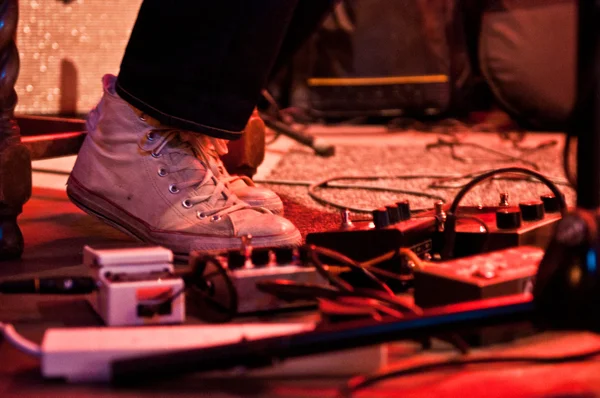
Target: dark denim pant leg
x=308 y=16
x=200 y=65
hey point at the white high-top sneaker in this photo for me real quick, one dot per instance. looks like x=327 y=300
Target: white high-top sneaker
x=152 y=184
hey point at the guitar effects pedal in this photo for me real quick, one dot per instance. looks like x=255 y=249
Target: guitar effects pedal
x=528 y=223
x=498 y=273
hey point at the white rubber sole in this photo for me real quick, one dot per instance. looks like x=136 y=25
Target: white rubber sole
x=180 y=243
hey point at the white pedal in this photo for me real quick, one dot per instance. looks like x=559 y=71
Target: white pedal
x=136 y=286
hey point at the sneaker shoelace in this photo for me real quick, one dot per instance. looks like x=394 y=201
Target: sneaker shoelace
x=229 y=179
x=212 y=149
x=218 y=197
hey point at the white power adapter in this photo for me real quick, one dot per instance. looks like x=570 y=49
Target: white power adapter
x=136 y=286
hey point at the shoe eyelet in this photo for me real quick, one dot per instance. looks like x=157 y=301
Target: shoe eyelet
x=162 y=172
x=150 y=136
x=173 y=188
x=187 y=204
x=155 y=155
x=201 y=215
x=215 y=218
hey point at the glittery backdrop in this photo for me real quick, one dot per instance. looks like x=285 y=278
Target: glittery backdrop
x=301 y=165
x=65 y=48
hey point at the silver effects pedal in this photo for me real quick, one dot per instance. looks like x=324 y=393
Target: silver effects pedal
x=227 y=284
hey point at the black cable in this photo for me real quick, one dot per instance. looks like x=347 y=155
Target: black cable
x=384 y=294
x=313 y=251
x=483 y=225
x=52 y=285
x=324 y=183
x=442 y=178
x=517 y=137
x=530 y=150
x=477 y=220
x=440 y=183
x=360 y=382
x=482 y=177
x=453 y=144
x=203 y=289
x=267 y=351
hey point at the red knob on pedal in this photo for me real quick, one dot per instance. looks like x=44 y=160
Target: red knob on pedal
x=235 y=259
x=508 y=218
x=551 y=203
x=284 y=255
x=381 y=218
x=261 y=257
x=532 y=210
x=394 y=214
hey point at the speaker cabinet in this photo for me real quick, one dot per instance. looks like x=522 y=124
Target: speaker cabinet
x=65 y=47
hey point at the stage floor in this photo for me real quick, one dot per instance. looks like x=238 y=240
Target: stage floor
x=56 y=231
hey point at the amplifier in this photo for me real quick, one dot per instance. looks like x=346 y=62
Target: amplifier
x=385 y=96
x=65 y=48
x=386 y=58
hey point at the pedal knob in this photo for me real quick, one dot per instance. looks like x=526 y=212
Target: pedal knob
x=508 y=218
x=532 y=210
x=404 y=207
x=393 y=214
x=551 y=203
x=284 y=255
x=235 y=259
x=261 y=257
x=381 y=218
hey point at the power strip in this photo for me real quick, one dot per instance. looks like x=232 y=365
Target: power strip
x=85 y=354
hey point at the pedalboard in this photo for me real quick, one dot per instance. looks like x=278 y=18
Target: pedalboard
x=529 y=223
x=494 y=274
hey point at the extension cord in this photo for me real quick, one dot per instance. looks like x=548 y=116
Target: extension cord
x=85 y=354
